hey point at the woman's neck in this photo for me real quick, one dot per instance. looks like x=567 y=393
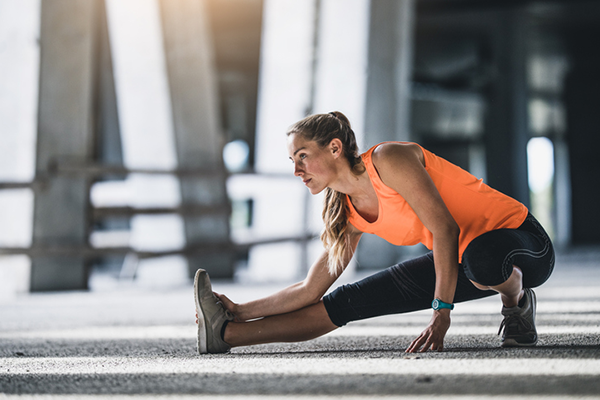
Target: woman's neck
x=358 y=187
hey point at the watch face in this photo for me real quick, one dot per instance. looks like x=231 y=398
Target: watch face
x=435 y=304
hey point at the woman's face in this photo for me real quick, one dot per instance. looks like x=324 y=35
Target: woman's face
x=314 y=165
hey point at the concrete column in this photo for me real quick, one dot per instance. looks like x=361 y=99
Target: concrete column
x=64 y=133
x=507 y=125
x=19 y=72
x=285 y=81
x=387 y=105
x=109 y=148
x=198 y=135
x=562 y=194
x=338 y=82
x=390 y=58
x=341 y=60
x=583 y=124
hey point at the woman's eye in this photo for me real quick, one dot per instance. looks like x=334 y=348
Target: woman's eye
x=302 y=156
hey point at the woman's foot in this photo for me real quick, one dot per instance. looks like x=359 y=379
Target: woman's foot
x=519 y=322
x=211 y=315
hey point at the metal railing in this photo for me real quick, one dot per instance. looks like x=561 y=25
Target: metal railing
x=92 y=252
x=96 y=171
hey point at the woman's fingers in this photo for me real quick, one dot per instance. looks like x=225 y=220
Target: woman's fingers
x=426 y=341
x=426 y=346
x=433 y=336
x=416 y=344
x=223 y=299
x=229 y=305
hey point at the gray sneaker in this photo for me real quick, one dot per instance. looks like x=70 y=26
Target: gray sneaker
x=211 y=316
x=519 y=323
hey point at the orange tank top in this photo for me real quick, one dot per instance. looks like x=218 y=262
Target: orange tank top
x=476 y=207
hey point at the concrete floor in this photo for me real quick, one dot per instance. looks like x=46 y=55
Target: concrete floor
x=141 y=343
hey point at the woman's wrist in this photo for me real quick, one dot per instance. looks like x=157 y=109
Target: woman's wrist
x=248 y=311
x=240 y=311
x=443 y=312
x=438 y=304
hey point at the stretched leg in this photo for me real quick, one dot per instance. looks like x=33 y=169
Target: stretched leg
x=304 y=324
x=402 y=288
x=217 y=332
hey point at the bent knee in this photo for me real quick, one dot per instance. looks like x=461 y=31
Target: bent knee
x=479 y=285
x=487 y=261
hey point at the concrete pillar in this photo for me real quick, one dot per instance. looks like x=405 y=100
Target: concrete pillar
x=340 y=79
x=562 y=194
x=583 y=138
x=285 y=82
x=287 y=47
x=64 y=133
x=390 y=58
x=387 y=105
x=109 y=148
x=507 y=125
x=339 y=83
x=19 y=72
x=198 y=135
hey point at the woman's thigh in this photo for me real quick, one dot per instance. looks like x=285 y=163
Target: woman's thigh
x=405 y=287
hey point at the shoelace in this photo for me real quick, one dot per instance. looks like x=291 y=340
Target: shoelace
x=516 y=321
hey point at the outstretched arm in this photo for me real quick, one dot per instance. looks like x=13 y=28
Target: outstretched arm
x=296 y=296
x=401 y=167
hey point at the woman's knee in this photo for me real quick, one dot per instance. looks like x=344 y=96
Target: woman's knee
x=479 y=285
x=515 y=276
x=487 y=260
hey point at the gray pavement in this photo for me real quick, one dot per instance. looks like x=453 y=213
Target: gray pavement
x=140 y=343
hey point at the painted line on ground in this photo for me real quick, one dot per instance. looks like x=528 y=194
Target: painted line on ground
x=228 y=364
x=189 y=332
x=297 y=397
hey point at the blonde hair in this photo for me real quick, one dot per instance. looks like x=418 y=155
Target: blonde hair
x=322 y=129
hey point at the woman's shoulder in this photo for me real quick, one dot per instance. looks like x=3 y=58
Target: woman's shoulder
x=394 y=153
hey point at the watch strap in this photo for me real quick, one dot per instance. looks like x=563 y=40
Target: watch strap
x=438 y=304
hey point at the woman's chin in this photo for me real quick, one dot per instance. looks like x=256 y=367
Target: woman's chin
x=314 y=191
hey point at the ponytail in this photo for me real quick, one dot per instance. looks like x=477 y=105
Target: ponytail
x=334 y=235
x=323 y=128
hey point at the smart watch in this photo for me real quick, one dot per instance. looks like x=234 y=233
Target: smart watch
x=437 y=304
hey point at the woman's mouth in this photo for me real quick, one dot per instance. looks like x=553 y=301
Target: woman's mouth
x=306 y=181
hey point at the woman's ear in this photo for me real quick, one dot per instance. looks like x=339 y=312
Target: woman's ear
x=336 y=147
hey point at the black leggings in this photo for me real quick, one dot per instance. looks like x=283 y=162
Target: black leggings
x=410 y=286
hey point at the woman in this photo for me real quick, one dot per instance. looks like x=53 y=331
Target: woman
x=482 y=242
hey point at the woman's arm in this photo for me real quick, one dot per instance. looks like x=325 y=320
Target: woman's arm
x=401 y=167
x=296 y=296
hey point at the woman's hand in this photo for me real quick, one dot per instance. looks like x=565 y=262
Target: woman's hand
x=433 y=336
x=230 y=306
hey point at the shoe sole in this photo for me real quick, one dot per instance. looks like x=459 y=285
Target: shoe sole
x=514 y=343
x=202 y=339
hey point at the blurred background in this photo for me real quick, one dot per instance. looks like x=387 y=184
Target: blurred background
x=141 y=140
